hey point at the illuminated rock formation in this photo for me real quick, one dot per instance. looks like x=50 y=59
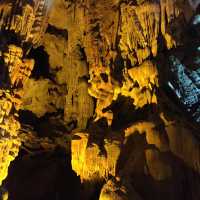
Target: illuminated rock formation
x=102 y=89
x=145 y=77
x=83 y=84
x=138 y=30
x=42 y=96
x=69 y=63
x=18 y=72
x=141 y=26
x=153 y=136
x=19 y=69
x=90 y=163
x=28 y=19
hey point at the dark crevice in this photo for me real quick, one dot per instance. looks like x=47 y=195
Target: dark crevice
x=104 y=77
x=49 y=125
x=118 y=68
x=82 y=52
x=58 y=32
x=125 y=112
x=28 y=117
x=41 y=67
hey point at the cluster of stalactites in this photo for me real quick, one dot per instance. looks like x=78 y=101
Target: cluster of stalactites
x=27 y=20
x=139 y=29
x=88 y=162
x=19 y=69
x=145 y=77
x=18 y=72
x=139 y=84
x=141 y=26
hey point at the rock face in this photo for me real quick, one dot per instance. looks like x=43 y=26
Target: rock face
x=99 y=99
x=27 y=19
x=72 y=68
x=46 y=97
x=15 y=69
x=90 y=162
x=18 y=72
x=115 y=190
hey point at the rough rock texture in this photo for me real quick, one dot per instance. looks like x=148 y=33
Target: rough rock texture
x=72 y=69
x=90 y=163
x=115 y=190
x=46 y=97
x=99 y=97
x=137 y=41
x=15 y=70
x=27 y=19
x=19 y=70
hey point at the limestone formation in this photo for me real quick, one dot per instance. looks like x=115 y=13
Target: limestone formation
x=114 y=189
x=187 y=148
x=101 y=93
x=90 y=163
x=138 y=31
x=145 y=77
x=141 y=26
x=19 y=69
x=153 y=135
x=28 y=19
x=42 y=96
x=16 y=70
x=158 y=169
x=70 y=65
x=102 y=89
x=10 y=100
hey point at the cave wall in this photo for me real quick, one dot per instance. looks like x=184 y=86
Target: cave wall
x=107 y=89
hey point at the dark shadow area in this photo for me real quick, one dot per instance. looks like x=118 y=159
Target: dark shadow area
x=118 y=64
x=9 y=37
x=58 y=32
x=125 y=113
x=43 y=176
x=98 y=131
x=28 y=117
x=134 y=146
x=184 y=183
x=49 y=125
x=90 y=190
x=41 y=67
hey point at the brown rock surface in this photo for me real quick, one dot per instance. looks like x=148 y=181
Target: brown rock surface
x=116 y=190
x=83 y=86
